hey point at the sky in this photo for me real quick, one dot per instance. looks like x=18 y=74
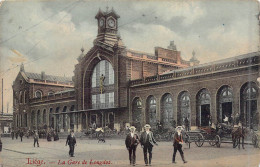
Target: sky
x=48 y=35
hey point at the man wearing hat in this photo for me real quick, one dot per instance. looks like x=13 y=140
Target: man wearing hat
x=71 y=140
x=131 y=142
x=147 y=141
x=177 y=144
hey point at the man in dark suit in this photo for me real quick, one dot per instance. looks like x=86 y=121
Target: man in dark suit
x=177 y=144
x=71 y=140
x=147 y=141
x=21 y=135
x=131 y=142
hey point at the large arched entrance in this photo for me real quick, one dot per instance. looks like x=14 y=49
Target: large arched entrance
x=167 y=111
x=203 y=107
x=224 y=103
x=184 y=112
x=137 y=113
x=249 y=113
x=151 y=111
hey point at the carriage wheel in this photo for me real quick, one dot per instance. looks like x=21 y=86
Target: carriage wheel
x=255 y=140
x=199 y=140
x=212 y=142
x=187 y=139
x=217 y=141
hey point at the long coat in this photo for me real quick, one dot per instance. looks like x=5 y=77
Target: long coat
x=71 y=140
x=150 y=138
x=131 y=141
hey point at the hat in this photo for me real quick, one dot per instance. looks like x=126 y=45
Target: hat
x=72 y=131
x=179 y=128
x=147 y=126
x=132 y=127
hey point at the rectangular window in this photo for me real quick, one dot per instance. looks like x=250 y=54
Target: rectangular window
x=102 y=100
x=94 y=78
x=94 y=101
x=111 y=99
x=111 y=74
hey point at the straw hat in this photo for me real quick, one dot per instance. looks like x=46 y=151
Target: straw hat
x=147 y=126
x=179 y=128
x=132 y=127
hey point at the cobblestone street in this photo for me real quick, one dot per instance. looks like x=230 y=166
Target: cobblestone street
x=16 y=154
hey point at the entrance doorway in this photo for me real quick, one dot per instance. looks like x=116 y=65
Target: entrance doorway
x=226 y=110
x=250 y=112
x=205 y=113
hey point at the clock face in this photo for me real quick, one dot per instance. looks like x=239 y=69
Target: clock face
x=101 y=22
x=111 y=23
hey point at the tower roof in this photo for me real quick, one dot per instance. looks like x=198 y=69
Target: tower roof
x=107 y=13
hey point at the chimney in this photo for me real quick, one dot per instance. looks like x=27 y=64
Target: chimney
x=43 y=76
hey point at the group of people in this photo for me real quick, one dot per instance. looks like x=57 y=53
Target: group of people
x=17 y=133
x=147 y=142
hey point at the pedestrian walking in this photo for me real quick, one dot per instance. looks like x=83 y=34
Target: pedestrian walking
x=147 y=141
x=177 y=144
x=16 y=134
x=21 y=135
x=1 y=145
x=36 y=139
x=48 y=136
x=12 y=134
x=71 y=141
x=131 y=142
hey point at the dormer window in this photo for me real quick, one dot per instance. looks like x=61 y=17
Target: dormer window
x=38 y=94
x=50 y=93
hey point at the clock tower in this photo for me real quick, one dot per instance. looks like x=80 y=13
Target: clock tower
x=107 y=26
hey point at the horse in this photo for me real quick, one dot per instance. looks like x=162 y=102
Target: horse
x=239 y=133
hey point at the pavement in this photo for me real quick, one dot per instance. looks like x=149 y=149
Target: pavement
x=113 y=153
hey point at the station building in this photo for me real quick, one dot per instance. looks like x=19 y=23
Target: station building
x=115 y=86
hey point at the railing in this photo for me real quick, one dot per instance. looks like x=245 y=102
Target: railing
x=53 y=82
x=169 y=60
x=103 y=105
x=199 y=70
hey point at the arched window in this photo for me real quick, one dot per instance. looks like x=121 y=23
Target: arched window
x=25 y=97
x=249 y=112
x=102 y=81
x=21 y=97
x=105 y=69
x=137 y=113
x=38 y=94
x=167 y=111
x=225 y=101
x=151 y=111
x=203 y=107
x=184 y=112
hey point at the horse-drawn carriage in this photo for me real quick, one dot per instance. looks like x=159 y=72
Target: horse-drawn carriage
x=201 y=135
x=236 y=134
x=223 y=133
